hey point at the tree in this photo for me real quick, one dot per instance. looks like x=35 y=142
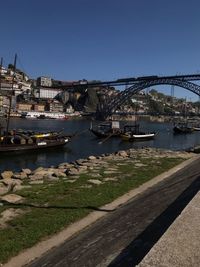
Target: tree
x=155 y=107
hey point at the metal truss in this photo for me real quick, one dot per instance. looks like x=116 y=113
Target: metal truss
x=110 y=107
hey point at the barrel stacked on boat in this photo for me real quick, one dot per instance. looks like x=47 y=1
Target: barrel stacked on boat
x=28 y=140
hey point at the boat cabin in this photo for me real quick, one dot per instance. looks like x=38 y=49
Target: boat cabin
x=109 y=126
x=133 y=129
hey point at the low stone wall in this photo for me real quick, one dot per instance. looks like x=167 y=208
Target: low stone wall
x=180 y=244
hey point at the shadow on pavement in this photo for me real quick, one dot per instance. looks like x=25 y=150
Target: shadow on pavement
x=140 y=246
x=20 y=205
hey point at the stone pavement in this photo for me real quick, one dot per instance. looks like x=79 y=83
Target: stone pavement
x=180 y=244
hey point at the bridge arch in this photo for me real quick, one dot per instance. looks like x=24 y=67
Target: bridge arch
x=110 y=107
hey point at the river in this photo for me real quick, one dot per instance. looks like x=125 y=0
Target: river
x=85 y=143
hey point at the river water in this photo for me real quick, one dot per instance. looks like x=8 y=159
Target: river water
x=85 y=143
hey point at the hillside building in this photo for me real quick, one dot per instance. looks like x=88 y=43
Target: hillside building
x=44 y=81
x=46 y=93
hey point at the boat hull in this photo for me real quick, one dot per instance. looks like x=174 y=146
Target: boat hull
x=183 y=130
x=100 y=134
x=36 y=146
x=137 y=137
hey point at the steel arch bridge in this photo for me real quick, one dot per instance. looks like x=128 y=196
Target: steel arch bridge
x=111 y=106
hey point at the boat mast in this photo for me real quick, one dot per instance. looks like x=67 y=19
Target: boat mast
x=136 y=114
x=12 y=93
x=136 y=118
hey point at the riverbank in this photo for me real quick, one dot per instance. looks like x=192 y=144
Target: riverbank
x=88 y=143
x=78 y=188
x=145 y=117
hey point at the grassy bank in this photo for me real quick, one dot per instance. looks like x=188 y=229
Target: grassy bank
x=50 y=207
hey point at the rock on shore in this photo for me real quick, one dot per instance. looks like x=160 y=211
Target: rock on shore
x=11 y=182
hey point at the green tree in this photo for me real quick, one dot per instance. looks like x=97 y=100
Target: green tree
x=155 y=107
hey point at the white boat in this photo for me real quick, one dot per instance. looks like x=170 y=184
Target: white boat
x=196 y=128
x=140 y=136
x=44 y=115
x=132 y=133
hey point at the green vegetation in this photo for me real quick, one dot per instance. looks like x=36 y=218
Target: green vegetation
x=50 y=207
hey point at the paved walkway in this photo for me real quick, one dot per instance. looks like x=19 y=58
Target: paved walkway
x=36 y=251
x=180 y=244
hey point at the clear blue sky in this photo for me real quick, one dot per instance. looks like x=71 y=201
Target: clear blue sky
x=102 y=39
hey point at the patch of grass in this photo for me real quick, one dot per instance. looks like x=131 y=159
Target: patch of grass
x=51 y=208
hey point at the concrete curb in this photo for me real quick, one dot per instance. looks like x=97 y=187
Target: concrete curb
x=179 y=246
x=42 y=247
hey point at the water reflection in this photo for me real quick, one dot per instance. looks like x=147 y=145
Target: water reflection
x=85 y=143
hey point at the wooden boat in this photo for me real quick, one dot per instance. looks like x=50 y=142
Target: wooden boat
x=132 y=133
x=106 y=129
x=19 y=140
x=137 y=137
x=196 y=128
x=195 y=125
x=182 y=128
x=28 y=140
x=31 y=144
